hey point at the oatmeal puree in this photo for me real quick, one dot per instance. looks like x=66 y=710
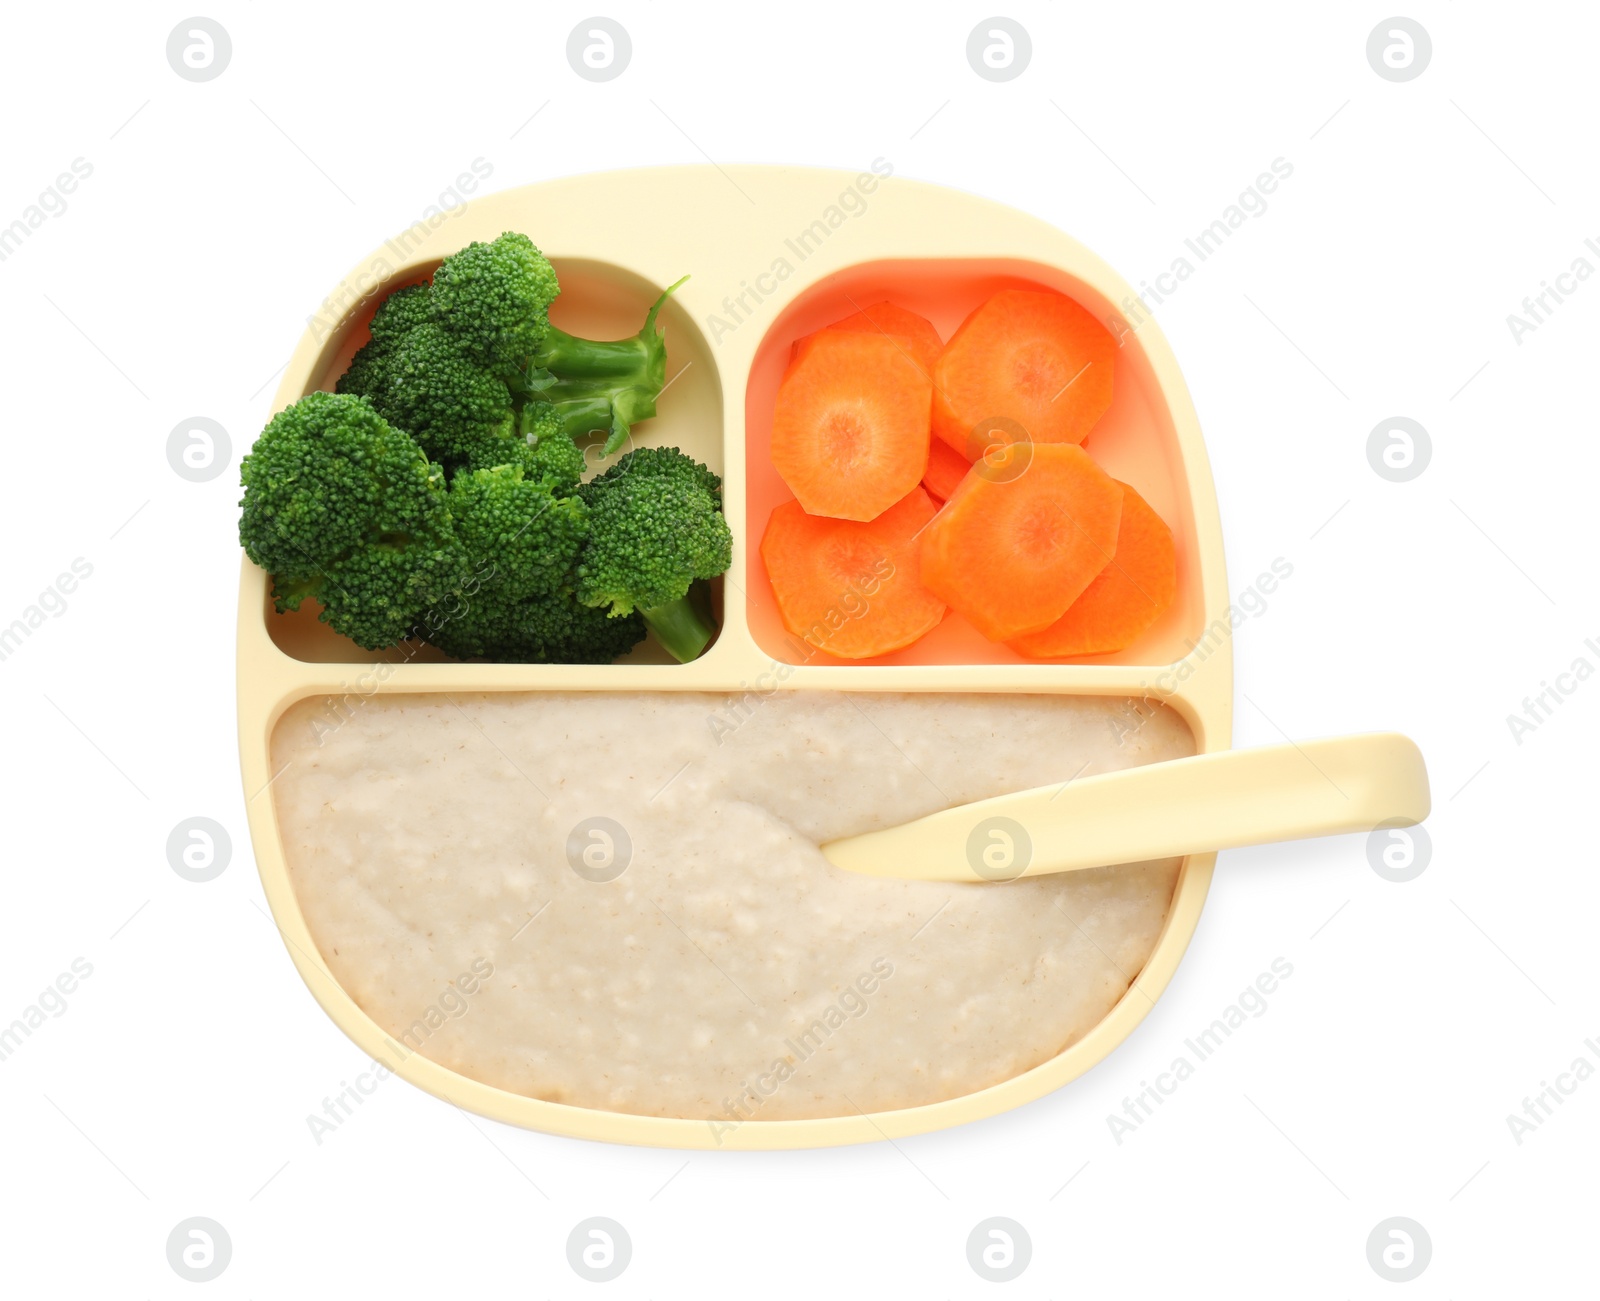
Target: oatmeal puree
x=730 y=970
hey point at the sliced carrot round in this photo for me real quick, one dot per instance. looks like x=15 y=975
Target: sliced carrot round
x=946 y=469
x=921 y=339
x=1020 y=540
x=849 y=588
x=850 y=427
x=1032 y=356
x=1126 y=597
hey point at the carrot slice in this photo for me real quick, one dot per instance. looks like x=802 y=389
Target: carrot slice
x=946 y=469
x=1125 y=599
x=921 y=339
x=850 y=428
x=1032 y=356
x=848 y=588
x=1020 y=540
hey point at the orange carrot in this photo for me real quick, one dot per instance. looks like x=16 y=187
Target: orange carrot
x=921 y=339
x=1032 y=356
x=850 y=427
x=946 y=469
x=1020 y=540
x=917 y=335
x=1125 y=599
x=848 y=588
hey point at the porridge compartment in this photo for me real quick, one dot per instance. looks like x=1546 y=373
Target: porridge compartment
x=615 y=900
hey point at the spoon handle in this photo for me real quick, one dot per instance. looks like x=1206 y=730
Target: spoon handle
x=1212 y=801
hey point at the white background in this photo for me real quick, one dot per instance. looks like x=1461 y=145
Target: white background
x=1378 y=282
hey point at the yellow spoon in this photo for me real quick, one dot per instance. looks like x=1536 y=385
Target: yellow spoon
x=1212 y=801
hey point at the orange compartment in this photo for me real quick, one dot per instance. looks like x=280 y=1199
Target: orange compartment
x=1134 y=441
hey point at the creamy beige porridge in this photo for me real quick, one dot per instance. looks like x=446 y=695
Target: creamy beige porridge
x=450 y=856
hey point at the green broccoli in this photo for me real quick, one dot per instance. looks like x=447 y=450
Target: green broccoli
x=557 y=630
x=521 y=540
x=460 y=413
x=341 y=507
x=655 y=526
x=549 y=454
x=522 y=535
x=483 y=364
x=495 y=298
x=600 y=386
x=464 y=417
x=397 y=314
x=439 y=493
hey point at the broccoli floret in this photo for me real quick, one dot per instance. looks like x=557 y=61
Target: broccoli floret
x=455 y=409
x=655 y=526
x=407 y=307
x=396 y=315
x=549 y=454
x=557 y=630
x=522 y=535
x=462 y=415
x=521 y=540
x=495 y=298
x=341 y=507
x=468 y=361
x=345 y=509
x=367 y=372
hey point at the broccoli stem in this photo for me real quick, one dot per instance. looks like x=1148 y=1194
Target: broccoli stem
x=680 y=627
x=600 y=384
x=568 y=357
x=586 y=406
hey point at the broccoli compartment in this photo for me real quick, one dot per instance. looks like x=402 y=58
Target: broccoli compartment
x=438 y=494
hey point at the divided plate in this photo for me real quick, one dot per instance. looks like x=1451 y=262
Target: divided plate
x=772 y=253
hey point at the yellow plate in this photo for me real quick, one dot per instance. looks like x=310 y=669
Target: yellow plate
x=772 y=254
